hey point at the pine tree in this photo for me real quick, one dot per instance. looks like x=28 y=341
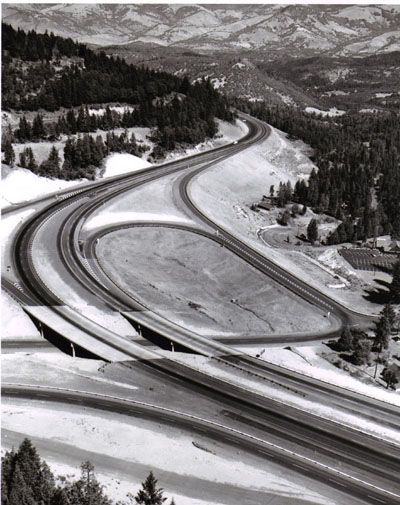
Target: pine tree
x=382 y=332
x=54 y=160
x=271 y=190
x=24 y=131
x=361 y=353
x=9 y=154
x=312 y=230
x=36 y=474
x=389 y=376
x=38 y=131
x=149 y=494
x=60 y=497
x=4 y=491
x=32 y=165
x=86 y=490
x=19 y=491
x=345 y=342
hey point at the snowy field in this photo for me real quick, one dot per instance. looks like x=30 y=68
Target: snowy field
x=19 y=184
x=333 y=112
x=199 y=468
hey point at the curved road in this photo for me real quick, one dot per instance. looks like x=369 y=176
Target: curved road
x=361 y=489
x=35 y=292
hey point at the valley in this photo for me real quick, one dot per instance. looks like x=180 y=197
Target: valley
x=200 y=254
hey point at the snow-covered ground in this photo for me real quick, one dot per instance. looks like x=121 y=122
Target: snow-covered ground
x=118 y=109
x=15 y=324
x=20 y=185
x=123 y=163
x=199 y=466
x=57 y=362
x=333 y=112
x=10 y=222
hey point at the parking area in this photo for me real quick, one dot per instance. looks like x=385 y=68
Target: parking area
x=368 y=259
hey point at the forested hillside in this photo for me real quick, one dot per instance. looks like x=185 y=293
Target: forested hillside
x=358 y=160
x=43 y=71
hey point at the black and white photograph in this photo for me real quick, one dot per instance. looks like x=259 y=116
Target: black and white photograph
x=200 y=245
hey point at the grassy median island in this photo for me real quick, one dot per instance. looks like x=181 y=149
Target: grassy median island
x=196 y=282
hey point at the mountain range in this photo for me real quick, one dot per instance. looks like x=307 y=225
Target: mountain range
x=295 y=30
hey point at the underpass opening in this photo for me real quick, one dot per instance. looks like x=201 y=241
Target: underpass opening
x=61 y=342
x=157 y=339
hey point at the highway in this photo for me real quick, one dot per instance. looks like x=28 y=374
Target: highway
x=338 y=478
x=376 y=458
x=134 y=310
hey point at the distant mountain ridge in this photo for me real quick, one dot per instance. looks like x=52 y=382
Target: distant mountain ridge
x=295 y=30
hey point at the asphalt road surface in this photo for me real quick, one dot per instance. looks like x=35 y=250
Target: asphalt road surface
x=371 y=460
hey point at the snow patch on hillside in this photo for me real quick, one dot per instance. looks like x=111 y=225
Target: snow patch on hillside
x=383 y=95
x=120 y=110
x=20 y=185
x=122 y=163
x=333 y=112
x=15 y=324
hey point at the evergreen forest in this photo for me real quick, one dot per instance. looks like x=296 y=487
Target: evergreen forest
x=44 y=71
x=358 y=160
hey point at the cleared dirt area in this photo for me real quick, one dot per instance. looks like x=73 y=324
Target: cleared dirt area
x=198 y=283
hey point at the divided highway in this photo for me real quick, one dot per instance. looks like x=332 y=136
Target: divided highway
x=361 y=489
x=367 y=458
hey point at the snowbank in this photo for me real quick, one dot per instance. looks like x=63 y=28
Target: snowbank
x=20 y=185
x=122 y=163
x=15 y=324
x=10 y=222
x=333 y=112
x=119 y=109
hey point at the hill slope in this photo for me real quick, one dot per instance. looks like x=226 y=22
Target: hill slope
x=294 y=29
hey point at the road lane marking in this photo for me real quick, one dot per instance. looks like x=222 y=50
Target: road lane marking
x=375 y=499
x=338 y=483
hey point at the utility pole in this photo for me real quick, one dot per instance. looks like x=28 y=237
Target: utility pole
x=73 y=350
